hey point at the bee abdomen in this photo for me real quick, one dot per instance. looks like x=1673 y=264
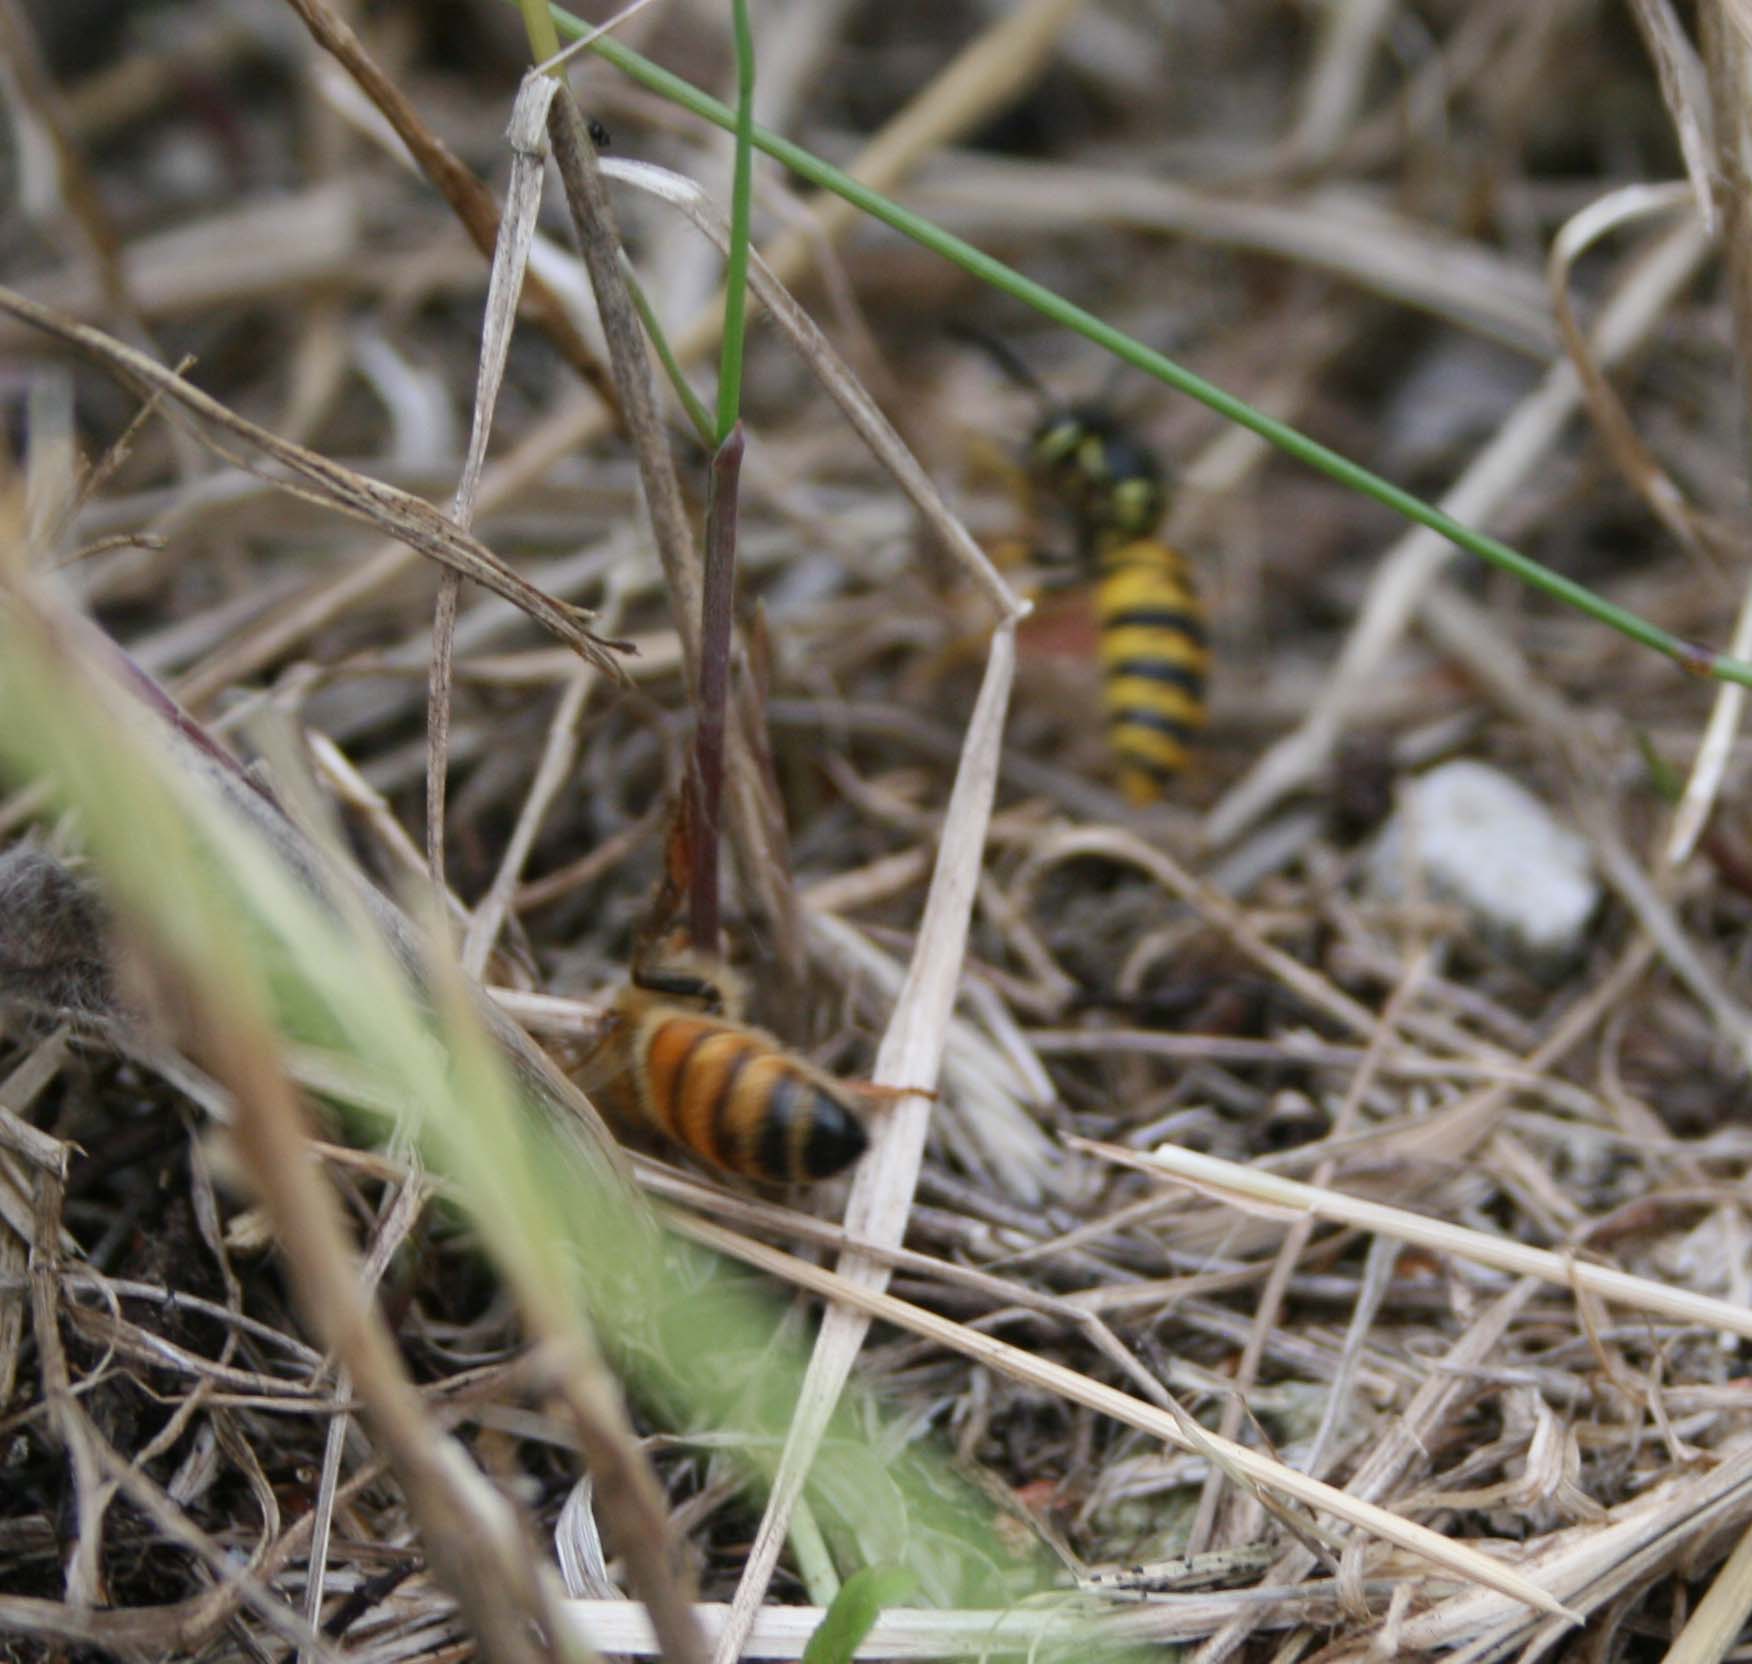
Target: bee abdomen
x=1153 y=659
x=791 y=1128
x=741 y=1104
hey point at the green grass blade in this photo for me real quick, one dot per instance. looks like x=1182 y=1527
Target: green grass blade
x=691 y=402
x=736 y=272
x=1667 y=783
x=1690 y=656
x=538 y=24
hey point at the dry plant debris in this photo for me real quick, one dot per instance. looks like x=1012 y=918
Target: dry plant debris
x=1232 y=1166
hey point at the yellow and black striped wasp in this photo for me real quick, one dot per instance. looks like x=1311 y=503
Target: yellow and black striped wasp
x=1153 y=651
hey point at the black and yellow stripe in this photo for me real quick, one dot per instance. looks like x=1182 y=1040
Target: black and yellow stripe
x=1153 y=662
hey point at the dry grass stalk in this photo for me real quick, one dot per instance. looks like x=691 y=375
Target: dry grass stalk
x=508 y=282
x=594 y=224
x=28 y=77
x=468 y=1529
x=1332 y=96
x=469 y=199
x=1249 y=1188
x=1713 y=1629
x=1416 y=561
x=1601 y=1458
x=868 y=1302
x=264 y=249
x=1719 y=175
x=414 y=523
x=1685 y=89
x=910 y=1058
x=782 y=1632
x=1348 y=235
x=1634 y=459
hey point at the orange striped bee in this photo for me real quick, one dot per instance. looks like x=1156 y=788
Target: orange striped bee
x=675 y=1054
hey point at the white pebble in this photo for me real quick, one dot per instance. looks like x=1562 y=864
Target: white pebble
x=1472 y=836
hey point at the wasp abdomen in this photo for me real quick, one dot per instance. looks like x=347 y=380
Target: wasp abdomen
x=1153 y=661
x=737 y=1100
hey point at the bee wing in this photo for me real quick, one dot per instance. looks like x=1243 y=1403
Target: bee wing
x=593 y=1062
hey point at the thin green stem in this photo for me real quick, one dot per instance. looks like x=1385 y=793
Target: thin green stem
x=1690 y=656
x=1667 y=782
x=538 y=24
x=736 y=272
x=691 y=402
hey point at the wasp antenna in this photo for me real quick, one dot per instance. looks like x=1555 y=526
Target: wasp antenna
x=1007 y=359
x=1108 y=396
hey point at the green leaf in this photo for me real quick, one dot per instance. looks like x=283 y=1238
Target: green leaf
x=855 y=1610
